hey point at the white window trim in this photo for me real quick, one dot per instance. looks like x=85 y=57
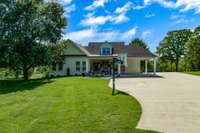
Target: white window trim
x=79 y=66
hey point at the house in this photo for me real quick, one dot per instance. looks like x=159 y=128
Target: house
x=97 y=58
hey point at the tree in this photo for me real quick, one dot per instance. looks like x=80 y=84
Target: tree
x=139 y=42
x=193 y=50
x=57 y=52
x=26 y=27
x=55 y=55
x=172 y=47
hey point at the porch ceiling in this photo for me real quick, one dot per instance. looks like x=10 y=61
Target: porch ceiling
x=143 y=58
x=102 y=57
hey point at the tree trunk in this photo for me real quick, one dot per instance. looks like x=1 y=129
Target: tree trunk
x=25 y=72
x=171 y=66
x=177 y=64
x=17 y=73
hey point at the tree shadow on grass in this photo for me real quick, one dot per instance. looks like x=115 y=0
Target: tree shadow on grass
x=9 y=86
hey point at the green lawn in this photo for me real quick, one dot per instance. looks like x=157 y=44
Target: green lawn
x=66 y=105
x=5 y=73
x=194 y=73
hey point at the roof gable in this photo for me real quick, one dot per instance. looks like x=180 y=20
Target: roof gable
x=74 y=49
x=106 y=44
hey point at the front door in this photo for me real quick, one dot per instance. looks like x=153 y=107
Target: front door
x=68 y=71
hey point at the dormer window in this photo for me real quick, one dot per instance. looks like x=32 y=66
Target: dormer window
x=106 y=51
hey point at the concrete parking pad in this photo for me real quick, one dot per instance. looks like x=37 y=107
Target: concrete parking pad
x=170 y=104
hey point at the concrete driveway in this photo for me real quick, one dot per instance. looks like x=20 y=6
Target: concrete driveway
x=170 y=104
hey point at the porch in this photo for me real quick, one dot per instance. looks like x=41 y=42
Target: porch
x=134 y=66
x=101 y=65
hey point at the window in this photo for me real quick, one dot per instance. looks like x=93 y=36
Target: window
x=106 y=51
x=78 y=66
x=60 y=66
x=83 y=66
x=54 y=67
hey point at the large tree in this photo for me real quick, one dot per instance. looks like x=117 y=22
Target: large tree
x=26 y=27
x=138 y=42
x=171 y=48
x=193 y=50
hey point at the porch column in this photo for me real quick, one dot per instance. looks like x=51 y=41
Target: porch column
x=146 y=69
x=88 y=66
x=119 y=68
x=154 y=66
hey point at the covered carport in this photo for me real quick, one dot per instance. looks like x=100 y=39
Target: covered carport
x=135 y=55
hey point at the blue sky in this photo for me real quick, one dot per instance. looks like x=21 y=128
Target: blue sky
x=123 y=20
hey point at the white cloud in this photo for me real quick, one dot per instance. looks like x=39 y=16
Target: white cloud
x=188 y=5
x=96 y=4
x=146 y=34
x=129 y=34
x=117 y=18
x=67 y=1
x=70 y=8
x=149 y=15
x=180 y=19
x=88 y=35
x=125 y=8
x=175 y=16
x=121 y=18
x=165 y=3
x=91 y=20
x=138 y=7
x=183 y=5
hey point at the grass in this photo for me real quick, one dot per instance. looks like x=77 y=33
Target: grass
x=5 y=74
x=66 y=105
x=197 y=73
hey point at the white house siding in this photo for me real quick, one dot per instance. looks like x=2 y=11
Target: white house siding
x=133 y=65
x=72 y=55
x=70 y=62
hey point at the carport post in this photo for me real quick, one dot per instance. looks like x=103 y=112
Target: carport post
x=154 y=66
x=146 y=69
x=113 y=76
x=119 y=68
